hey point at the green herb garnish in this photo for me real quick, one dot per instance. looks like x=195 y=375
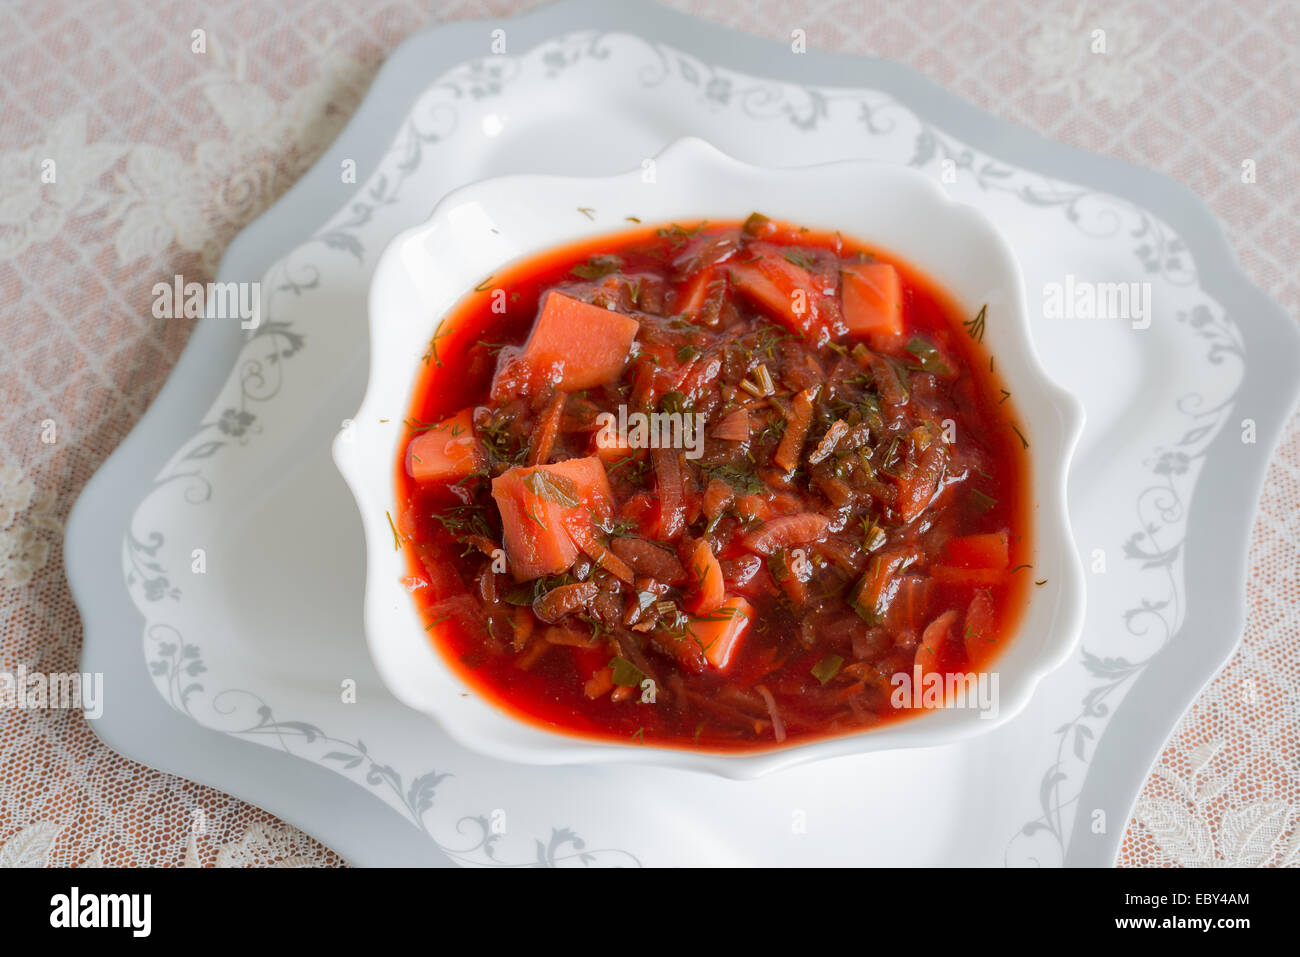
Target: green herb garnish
x=680 y=235
x=975 y=327
x=743 y=481
x=827 y=668
x=433 y=347
x=800 y=258
x=754 y=224
x=597 y=267
x=927 y=357
x=464 y=520
x=674 y=402
x=873 y=536
x=553 y=488
x=626 y=673
x=778 y=567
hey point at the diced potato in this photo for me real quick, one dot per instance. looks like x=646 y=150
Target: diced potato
x=576 y=345
x=872 y=297
x=703 y=296
x=719 y=633
x=593 y=485
x=544 y=507
x=785 y=290
x=445 y=452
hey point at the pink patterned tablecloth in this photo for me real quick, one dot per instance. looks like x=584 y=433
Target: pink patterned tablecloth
x=163 y=155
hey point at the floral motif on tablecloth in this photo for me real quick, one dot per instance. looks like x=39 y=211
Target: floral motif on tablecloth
x=44 y=185
x=1192 y=831
x=1100 y=56
x=159 y=196
x=261 y=845
x=25 y=513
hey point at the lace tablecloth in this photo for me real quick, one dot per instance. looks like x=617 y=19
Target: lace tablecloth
x=163 y=153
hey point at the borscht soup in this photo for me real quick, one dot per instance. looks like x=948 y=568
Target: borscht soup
x=713 y=485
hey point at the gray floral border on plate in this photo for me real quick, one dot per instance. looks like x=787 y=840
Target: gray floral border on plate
x=179 y=665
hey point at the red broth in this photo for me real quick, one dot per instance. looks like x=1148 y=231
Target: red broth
x=854 y=510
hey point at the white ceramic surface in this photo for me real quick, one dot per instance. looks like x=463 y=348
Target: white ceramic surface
x=479 y=229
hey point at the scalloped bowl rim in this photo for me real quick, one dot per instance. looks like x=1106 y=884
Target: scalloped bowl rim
x=477 y=229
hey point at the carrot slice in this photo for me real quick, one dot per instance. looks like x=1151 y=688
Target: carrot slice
x=734 y=427
x=932 y=639
x=872 y=295
x=708 y=589
x=990 y=550
x=588 y=474
x=718 y=497
x=577 y=345
x=535 y=538
x=796 y=431
x=447 y=451
x=719 y=633
x=548 y=427
x=752 y=506
x=921 y=483
x=599 y=684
